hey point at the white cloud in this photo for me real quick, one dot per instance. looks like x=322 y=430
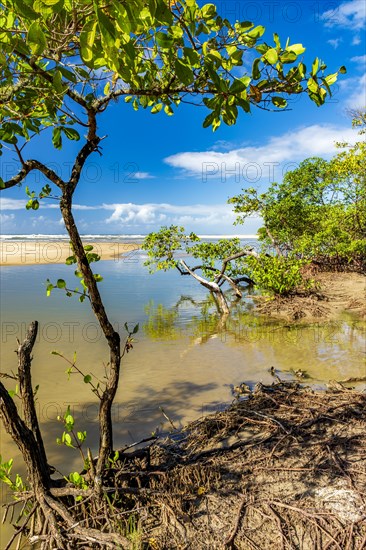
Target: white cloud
x=359 y=59
x=335 y=42
x=166 y=214
x=74 y=206
x=5 y=218
x=351 y=15
x=12 y=204
x=356 y=40
x=142 y=176
x=255 y=162
x=357 y=92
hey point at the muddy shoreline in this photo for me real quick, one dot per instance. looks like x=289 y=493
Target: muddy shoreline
x=283 y=468
x=335 y=294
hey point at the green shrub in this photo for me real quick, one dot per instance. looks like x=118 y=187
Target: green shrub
x=278 y=275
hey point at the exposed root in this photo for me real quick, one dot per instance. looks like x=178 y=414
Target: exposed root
x=284 y=468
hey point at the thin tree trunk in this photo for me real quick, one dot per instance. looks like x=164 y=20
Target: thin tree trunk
x=112 y=337
x=212 y=286
x=28 y=441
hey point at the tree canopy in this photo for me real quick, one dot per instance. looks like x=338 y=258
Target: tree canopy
x=318 y=211
x=62 y=63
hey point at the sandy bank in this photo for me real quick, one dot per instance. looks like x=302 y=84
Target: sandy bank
x=46 y=252
x=336 y=293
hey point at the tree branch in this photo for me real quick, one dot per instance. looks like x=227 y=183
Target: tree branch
x=249 y=252
x=41 y=72
x=28 y=166
x=29 y=444
x=208 y=284
x=25 y=385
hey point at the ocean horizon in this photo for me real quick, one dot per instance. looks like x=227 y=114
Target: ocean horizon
x=101 y=237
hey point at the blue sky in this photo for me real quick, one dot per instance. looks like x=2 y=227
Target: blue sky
x=157 y=170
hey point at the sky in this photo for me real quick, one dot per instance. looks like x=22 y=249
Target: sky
x=157 y=170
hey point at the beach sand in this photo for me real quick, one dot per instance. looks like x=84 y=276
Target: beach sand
x=56 y=252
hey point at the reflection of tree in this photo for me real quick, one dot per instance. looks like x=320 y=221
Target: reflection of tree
x=205 y=320
x=320 y=351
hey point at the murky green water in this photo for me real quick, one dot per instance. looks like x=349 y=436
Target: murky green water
x=185 y=359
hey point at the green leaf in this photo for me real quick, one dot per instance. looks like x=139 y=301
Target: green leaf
x=81 y=437
x=313 y=85
x=98 y=277
x=67 y=74
x=61 y=283
x=57 y=82
x=279 y=102
x=26 y=10
x=184 y=72
x=36 y=38
x=208 y=11
x=72 y=134
x=239 y=85
x=343 y=70
x=87 y=39
x=288 y=57
x=315 y=66
x=88 y=247
x=135 y=328
x=35 y=204
x=255 y=69
x=163 y=40
x=297 y=48
x=56 y=138
x=257 y=32
x=157 y=108
x=271 y=56
x=67 y=440
x=331 y=79
x=87 y=378
x=276 y=40
x=176 y=32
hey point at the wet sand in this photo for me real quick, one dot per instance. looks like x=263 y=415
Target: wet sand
x=337 y=293
x=50 y=252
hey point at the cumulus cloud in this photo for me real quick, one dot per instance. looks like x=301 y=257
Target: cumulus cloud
x=255 y=162
x=351 y=15
x=166 y=214
x=12 y=204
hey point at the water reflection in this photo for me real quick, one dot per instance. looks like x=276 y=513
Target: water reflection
x=322 y=351
x=185 y=359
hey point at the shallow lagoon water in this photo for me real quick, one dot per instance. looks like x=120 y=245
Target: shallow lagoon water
x=185 y=359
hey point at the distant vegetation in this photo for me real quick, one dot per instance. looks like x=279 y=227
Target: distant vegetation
x=315 y=217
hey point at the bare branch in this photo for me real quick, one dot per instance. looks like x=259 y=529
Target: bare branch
x=226 y=261
x=28 y=166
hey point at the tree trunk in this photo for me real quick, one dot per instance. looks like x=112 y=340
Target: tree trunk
x=112 y=337
x=212 y=286
x=26 y=433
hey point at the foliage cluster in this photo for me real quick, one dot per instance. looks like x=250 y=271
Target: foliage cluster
x=318 y=212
